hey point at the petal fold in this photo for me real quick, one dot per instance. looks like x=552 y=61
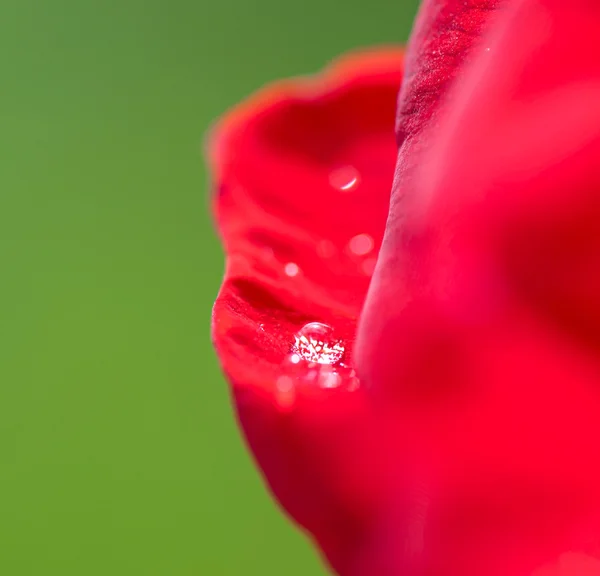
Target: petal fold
x=485 y=300
x=302 y=174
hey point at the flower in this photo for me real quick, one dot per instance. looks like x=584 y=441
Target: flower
x=303 y=174
x=470 y=446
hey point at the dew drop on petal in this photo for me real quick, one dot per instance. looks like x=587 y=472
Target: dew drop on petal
x=345 y=178
x=313 y=365
x=361 y=244
x=316 y=342
x=291 y=269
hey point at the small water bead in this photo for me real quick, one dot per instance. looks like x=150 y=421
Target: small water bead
x=316 y=342
x=361 y=244
x=291 y=269
x=314 y=363
x=345 y=178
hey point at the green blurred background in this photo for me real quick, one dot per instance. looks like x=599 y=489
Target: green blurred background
x=119 y=452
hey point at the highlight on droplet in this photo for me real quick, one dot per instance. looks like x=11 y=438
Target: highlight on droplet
x=291 y=269
x=313 y=365
x=316 y=342
x=345 y=178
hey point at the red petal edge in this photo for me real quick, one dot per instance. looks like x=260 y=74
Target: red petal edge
x=301 y=169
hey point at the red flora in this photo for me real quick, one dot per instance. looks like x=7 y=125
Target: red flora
x=410 y=314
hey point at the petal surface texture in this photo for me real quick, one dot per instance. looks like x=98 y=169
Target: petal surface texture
x=481 y=331
x=303 y=173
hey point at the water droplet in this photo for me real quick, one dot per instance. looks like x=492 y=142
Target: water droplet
x=316 y=342
x=313 y=365
x=291 y=269
x=361 y=244
x=487 y=49
x=345 y=178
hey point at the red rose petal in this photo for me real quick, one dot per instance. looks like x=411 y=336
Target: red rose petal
x=448 y=34
x=445 y=35
x=482 y=326
x=302 y=175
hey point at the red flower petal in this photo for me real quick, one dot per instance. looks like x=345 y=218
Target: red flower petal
x=447 y=34
x=484 y=308
x=303 y=172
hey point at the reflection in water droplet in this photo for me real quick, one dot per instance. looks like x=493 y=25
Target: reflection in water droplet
x=361 y=244
x=313 y=364
x=291 y=269
x=316 y=342
x=345 y=179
